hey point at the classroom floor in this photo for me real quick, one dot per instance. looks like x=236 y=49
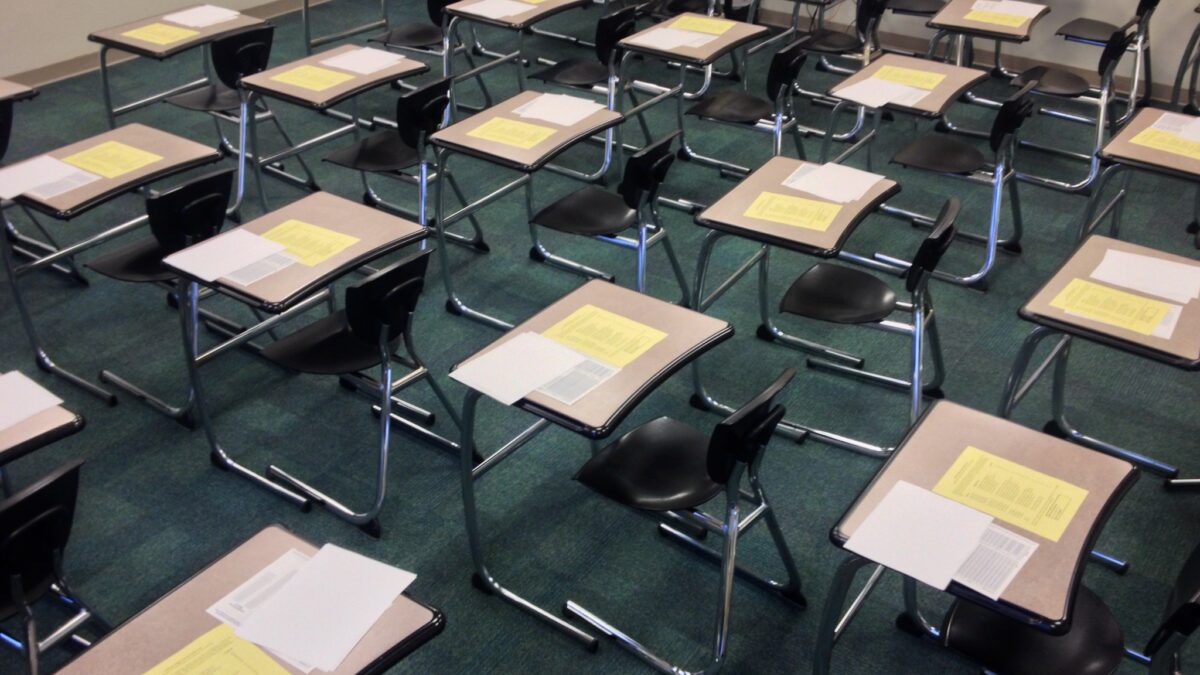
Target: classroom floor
x=153 y=510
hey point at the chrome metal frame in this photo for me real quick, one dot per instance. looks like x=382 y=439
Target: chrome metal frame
x=112 y=111
x=1190 y=60
x=29 y=645
x=310 y=42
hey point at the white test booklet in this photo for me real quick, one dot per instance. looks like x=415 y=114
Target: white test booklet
x=222 y=255
x=42 y=177
x=996 y=561
x=1175 y=281
x=920 y=534
x=22 y=398
x=832 y=182
x=1184 y=126
x=364 y=61
x=521 y=365
x=202 y=16
x=561 y=109
x=326 y=608
x=1013 y=7
x=664 y=38
x=875 y=92
x=498 y=9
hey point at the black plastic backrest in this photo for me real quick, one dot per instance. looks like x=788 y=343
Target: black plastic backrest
x=437 y=9
x=421 y=111
x=737 y=12
x=242 y=54
x=1144 y=7
x=35 y=524
x=785 y=68
x=6 y=122
x=742 y=436
x=868 y=14
x=646 y=170
x=611 y=29
x=934 y=247
x=1183 y=606
x=1012 y=114
x=386 y=299
x=1115 y=48
x=191 y=212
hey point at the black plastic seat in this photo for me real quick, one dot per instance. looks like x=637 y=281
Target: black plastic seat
x=921 y=7
x=1053 y=81
x=379 y=152
x=659 y=466
x=139 y=262
x=733 y=105
x=1093 y=646
x=941 y=153
x=738 y=106
x=866 y=22
x=233 y=57
x=839 y=294
x=586 y=73
x=829 y=41
x=324 y=347
x=592 y=211
x=574 y=73
x=214 y=97
x=418 y=114
x=1087 y=30
x=411 y=35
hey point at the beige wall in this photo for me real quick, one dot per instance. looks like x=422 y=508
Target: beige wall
x=1172 y=25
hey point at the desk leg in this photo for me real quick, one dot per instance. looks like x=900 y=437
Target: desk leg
x=482 y=578
x=833 y=621
x=911 y=620
x=33 y=249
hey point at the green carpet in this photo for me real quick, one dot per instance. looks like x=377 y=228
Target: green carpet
x=153 y=510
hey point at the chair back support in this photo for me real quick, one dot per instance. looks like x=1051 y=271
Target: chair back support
x=386 y=300
x=611 y=29
x=420 y=112
x=1145 y=7
x=867 y=16
x=1183 y=611
x=742 y=436
x=1012 y=114
x=933 y=248
x=738 y=12
x=6 y=122
x=242 y=54
x=646 y=170
x=785 y=68
x=1118 y=43
x=191 y=212
x=437 y=9
x=34 y=526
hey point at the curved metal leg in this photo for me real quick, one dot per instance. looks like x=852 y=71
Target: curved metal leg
x=833 y=621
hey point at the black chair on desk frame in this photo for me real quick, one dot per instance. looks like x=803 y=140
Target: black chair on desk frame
x=668 y=466
x=392 y=152
x=1093 y=645
x=833 y=293
x=1093 y=32
x=595 y=212
x=35 y=524
x=184 y=215
x=377 y=318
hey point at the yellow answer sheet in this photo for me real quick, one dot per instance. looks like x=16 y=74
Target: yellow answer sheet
x=312 y=78
x=1014 y=493
x=160 y=33
x=921 y=79
x=604 y=335
x=1167 y=142
x=703 y=24
x=218 y=652
x=796 y=211
x=1111 y=306
x=516 y=134
x=309 y=244
x=111 y=159
x=996 y=18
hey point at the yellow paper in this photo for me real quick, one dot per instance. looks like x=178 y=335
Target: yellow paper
x=703 y=24
x=521 y=135
x=603 y=335
x=111 y=159
x=1014 y=493
x=160 y=33
x=796 y=211
x=312 y=78
x=309 y=244
x=997 y=18
x=912 y=77
x=218 y=652
x=1167 y=142
x=1111 y=306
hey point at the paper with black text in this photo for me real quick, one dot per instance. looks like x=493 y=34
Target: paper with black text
x=832 y=182
x=521 y=365
x=43 y=177
x=996 y=561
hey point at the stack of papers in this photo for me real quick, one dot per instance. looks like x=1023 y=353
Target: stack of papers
x=665 y=39
x=875 y=92
x=1186 y=127
x=363 y=61
x=1009 y=13
x=22 y=398
x=1114 y=307
x=311 y=612
x=497 y=9
x=1177 y=282
x=224 y=255
x=202 y=16
x=43 y=177
x=533 y=362
x=560 y=109
x=832 y=182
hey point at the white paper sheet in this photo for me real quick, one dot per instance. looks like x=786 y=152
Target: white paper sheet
x=832 y=182
x=1166 y=328
x=666 y=39
x=210 y=260
x=22 y=398
x=875 y=92
x=560 y=109
x=201 y=17
x=1025 y=9
x=920 y=534
x=243 y=600
x=261 y=269
x=1177 y=282
x=521 y=365
x=995 y=562
x=497 y=9
x=42 y=176
x=1184 y=126
x=577 y=382
x=363 y=61
x=326 y=608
